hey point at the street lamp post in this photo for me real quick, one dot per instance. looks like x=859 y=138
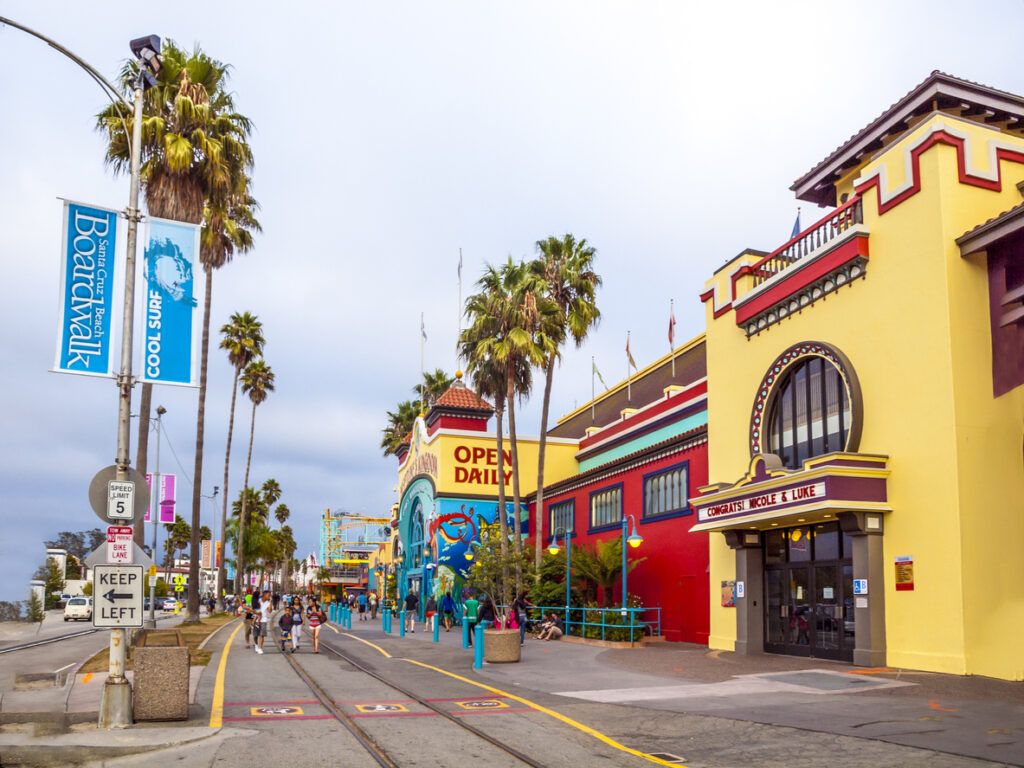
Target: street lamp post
x=554 y=549
x=634 y=541
x=154 y=513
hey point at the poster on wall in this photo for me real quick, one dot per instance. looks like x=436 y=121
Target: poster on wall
x=905 y=574
x=728 y=594
x=170 y=338
x=87 y=279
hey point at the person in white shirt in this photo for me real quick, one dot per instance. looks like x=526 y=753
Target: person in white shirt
x=266 y=608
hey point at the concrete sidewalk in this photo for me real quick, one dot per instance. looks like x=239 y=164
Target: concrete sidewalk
x=970 y=716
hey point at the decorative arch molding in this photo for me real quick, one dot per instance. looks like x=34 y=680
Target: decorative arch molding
x=777 y=371
x=420 y=489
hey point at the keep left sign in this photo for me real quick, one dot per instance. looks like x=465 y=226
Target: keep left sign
x=119 y=544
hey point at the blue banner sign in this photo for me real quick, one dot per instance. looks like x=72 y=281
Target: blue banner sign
x=88 y=256
x=169 y=338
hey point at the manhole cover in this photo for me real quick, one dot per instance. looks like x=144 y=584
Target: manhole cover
x=668 y=757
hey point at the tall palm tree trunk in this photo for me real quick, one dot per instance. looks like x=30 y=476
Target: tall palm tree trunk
x=222 y=568
x=192 y=613
x=240 y=576
x=142 y=457
x=538 y=512
x=517 y=522
x=499 y=407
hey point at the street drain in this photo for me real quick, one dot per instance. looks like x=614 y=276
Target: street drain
x=668 y=757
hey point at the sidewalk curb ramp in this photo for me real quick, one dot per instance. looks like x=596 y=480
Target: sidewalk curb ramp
x=24 y=749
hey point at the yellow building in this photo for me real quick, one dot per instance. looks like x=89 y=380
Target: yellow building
x=448 y=488
x=866 y=413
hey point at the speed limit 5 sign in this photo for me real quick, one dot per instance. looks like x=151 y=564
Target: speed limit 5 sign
x=120 y=500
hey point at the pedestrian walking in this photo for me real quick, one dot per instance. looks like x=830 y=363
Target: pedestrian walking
x=245 y=612
x=277 y=599
x=470 y=613
x=266 y=608
x=373 y=606
x=296 y=609
x=315 y=617
x=430 y=610
x=448 y=610
x=412 y=603
x=519 y=606
x=285 y=622
x=363 y=603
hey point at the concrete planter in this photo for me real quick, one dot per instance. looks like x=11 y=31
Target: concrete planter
x=501 y=646
x=160 y=679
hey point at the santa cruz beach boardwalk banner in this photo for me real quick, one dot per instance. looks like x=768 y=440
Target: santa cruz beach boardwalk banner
x=169 y=308
x=88 y=255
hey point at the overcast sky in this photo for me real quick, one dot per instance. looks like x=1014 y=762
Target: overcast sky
x=389 y=135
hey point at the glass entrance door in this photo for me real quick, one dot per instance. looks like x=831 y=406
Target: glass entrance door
x=808 y=594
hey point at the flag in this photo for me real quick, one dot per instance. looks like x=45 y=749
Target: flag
x=460 y=263
x=629 y=354
x=671 y=326
x=599 y=376
x=796 y=225
x=423 y=328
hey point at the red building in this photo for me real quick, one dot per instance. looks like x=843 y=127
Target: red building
x=643 y=453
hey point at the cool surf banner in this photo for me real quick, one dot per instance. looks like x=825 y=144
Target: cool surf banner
x=170 y=336
x=87 y=280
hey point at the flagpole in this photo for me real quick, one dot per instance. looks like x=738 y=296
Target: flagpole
x=629 y=376
x=422 y=338
x=459 y=336
x=593 y=367
x=671 y=334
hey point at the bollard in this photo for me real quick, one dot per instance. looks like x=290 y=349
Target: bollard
x=437 y=627
x=465 y=633
x=401 y=623
x=478 y=646
x=385 y=623
x=348 y=618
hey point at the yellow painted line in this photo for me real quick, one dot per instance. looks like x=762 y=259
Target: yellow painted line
x=366 y=642
x=217 y=710
x=557 y=715
x=333 y=629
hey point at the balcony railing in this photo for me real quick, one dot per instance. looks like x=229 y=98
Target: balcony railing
x=347 y=573
x=808 y=241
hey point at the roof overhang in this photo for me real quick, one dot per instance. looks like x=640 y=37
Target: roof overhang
x=769 y=496
x=938 y=91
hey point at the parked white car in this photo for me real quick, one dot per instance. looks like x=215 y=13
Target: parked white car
x=78 y=608
x=170 y=604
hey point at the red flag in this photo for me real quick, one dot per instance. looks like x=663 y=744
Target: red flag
x=671 y=326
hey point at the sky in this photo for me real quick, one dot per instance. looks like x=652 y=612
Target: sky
x=387 y=137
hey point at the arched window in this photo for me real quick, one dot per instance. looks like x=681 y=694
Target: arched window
x=416 y=536
x=810 y=412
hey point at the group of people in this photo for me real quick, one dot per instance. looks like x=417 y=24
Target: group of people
x=363 y=604
x=258 y=608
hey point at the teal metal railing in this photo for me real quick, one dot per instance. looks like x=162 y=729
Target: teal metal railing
x=603 y=623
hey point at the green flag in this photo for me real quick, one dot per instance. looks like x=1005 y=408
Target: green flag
x=599 y=376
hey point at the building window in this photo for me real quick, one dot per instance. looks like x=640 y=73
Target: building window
x=810 y=412
x=562 y=516
x=416 y=537
x=667 y=491
x=606 y=507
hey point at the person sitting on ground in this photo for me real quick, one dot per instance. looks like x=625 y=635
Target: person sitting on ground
x=555 y=630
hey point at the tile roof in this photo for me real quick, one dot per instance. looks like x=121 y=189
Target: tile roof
x=461 y=397
x=937 y=84
x=1015 y=211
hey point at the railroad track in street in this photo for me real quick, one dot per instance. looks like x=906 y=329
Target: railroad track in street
x=368 y=742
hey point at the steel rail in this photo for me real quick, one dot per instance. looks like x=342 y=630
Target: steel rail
x=365 y=740
x=434 y=708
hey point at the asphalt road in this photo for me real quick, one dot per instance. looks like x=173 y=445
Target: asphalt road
x=271 y=717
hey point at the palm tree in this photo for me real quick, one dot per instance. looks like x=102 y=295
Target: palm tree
x=271 y=492
x=505 y=319
x=195 y=165
x=255 y=508
x=600 y=564
x=242 y=338
x=567 y=268
x=282 y=513
x=399 y=425
x=433 y=386
x=257 y=383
